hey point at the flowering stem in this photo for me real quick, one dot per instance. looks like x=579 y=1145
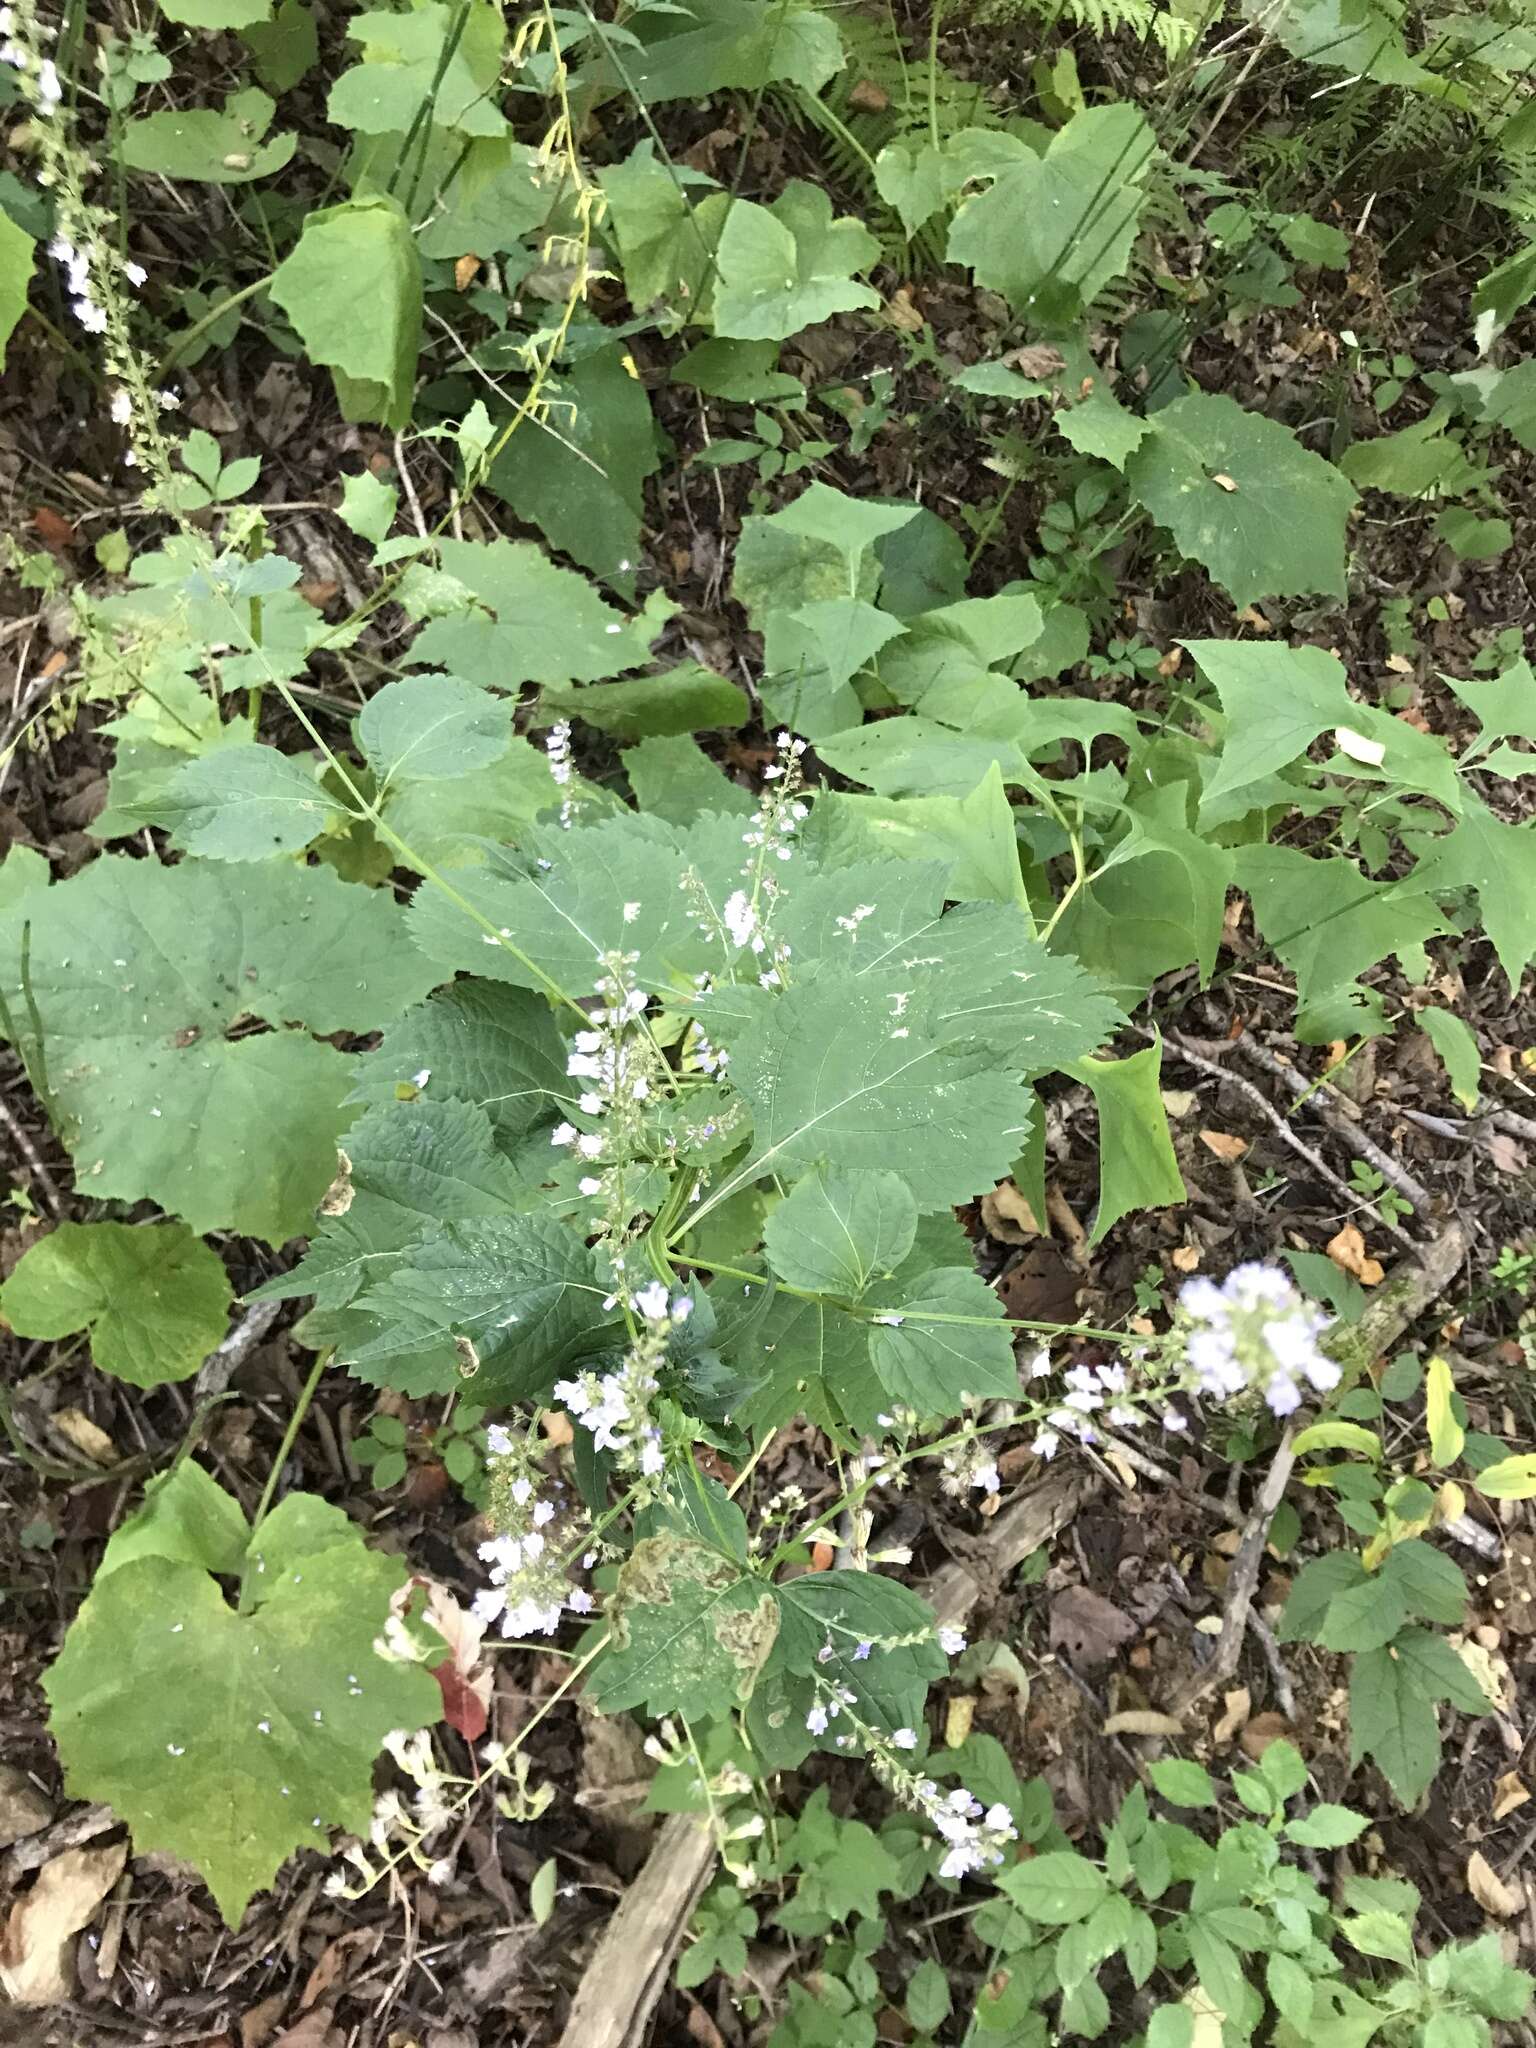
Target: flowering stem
x=209 y=319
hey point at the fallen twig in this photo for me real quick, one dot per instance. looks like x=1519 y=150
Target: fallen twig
x=1322 y=1095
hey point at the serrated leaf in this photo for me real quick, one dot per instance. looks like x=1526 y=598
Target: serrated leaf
x=141 y=972
x=1055 y=1889
x=477 y=1042
x=789 y=265
x=1327 y=1827
x=1274 y=526
x=1498 y=861
x=831 y=1073
x=425 y=726
x=154 y=1298
x=231 y=1739
x=368 y=242
x=691 y=1632
x=715 y=44
x=838 y=1230
x=430 y=58
x=1051 y=231
x=927 y=1357
x=533 y=622
x=1183 y=1783
x=1313 y=1591
x=244 y=802
x=1276 y=701
x=522 y=1290
x=865 y=1632
x=1364 y=1617
x=1392 y=1722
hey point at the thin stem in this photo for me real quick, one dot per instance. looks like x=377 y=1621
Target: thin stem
x=290 y=1434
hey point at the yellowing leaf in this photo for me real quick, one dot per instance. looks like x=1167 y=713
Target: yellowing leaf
x=1446 y=1435
x=1510 y=1479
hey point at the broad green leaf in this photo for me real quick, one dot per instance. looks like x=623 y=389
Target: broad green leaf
x=1416 y=462
x=1446 y=1435
x=154 y=1298
x=864 y=1631
x=216 y=14
x=502 y=193
x=1361 y=36
x=457 y=821
x=422 y=726
x=1183 y=1783
x=1498 y=862
x=666 y=244
x=1053 y=230
x=1337 y=1436
x=938 y=1342
x=1056 y=1888
x=918 y=757
x=839 y=1230
x=285 y=48
x=1365 y=1617
x=691 y=1631
x=1275 y=699
x=810 y=657
x=789 y=265
x=1242 y=497
x=140 y=973
x=687 y=699
x=215 y=148
x=521 y=1291
x=17 y=256
x=912 y=178
x=532 y=622
x=1512 y=403
x=1313 y=1592
x=1327 y=921
x=577 y=470
x=1327 y=1827
x=368 y=242
x=1440 y=1671
x=435 y=57
x=675 y=779
x=1500 y=293
x=244 y=802
x=186 y=1515
x=974 y=833
x=599 y=889
x=815 y=1362
x=1155 y=902
x=1100 y=425
x=1511 y=1478
x=231 y=1739
x=1428 y=1580
x=712 y=45
x=829 y=1074
x=1137 y=1166
x=367 y=505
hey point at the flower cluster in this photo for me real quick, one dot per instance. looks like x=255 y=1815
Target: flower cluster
x=616 y=1407
x=538 y=1530
x=1255 y=1331
x=977 y=1836
x=616 y=1061
x=557 y=746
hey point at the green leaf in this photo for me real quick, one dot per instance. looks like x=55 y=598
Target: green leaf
x=285 y=48
x=522 y=1291
x=1156 y=901
x=810 y=657
x=431 y=58
x=1313 y=1591
x=1327 y=1827
x=1313 y=241
x=1511 y=403
x=829 y=1075
x=1275 y=527
x=140 y=973
x=1338 y=1436
x=1171 y=2026
x=223 y=148
x=1053 y=230
x=912 y=178
x=1501 y=292
x=503 y=192
x=928 y=2001
x=185 y=1514
x=690 y=1632
x=1137 y=1166
x=1437 y=1670
x=938 y=1367
x=1446 y=1434
x=1418 y=461
x=1498 y=861
x=533 y=622
x=424 y=726
x=367 y=505
x=1056 y=1888
x=675 y=779
x=975 y=834
x=1275 y=700
x=1183 y=1783
x=1392 y=1722
x=1326 y=920
x=368 y=242
x=1509 y=1478
x=1290 y=1989
x=477 y=1042
x=713 y=45
x=838 y=1230
x=1100 y=425
x=1456 y=1043
x=864 y=1632
x=667 y=246
x=789 y=265
x=17 y=258
x=231 y=1739
x=216 y=14
x=154 y=1298
x=682 y=700
x=577 y=471
x=244 y=802
x=1364 y=1617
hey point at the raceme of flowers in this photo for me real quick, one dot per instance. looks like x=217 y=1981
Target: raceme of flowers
x=1256 y=1331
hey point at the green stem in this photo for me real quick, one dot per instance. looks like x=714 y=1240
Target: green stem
x=211 y=318
x=290 y=1435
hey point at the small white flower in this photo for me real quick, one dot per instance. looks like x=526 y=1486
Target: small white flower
x=904 y=1738
x=563 y=1134
x=951 y=1641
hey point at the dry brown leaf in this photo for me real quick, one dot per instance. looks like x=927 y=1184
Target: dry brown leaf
x=1007 y=1215
x=1507 y=1156
x=1178 y=1101
x=1185 y=1258
x=36 y=1950
x=465 y=271
x=1347 y=1251
x=903 y=311
x=82 y=1435
x=1088 y=1627
x=958 y=1716
x=1236 y=1706
x=1261 y=1731
x=256 y=2026
x=1399 y=664
x=1489 y=1889
x=1510 y=1791
x=1143 y=1721
x=1036 y=359
x=1227 y=1147
x=1255 y=621
x=868 y=97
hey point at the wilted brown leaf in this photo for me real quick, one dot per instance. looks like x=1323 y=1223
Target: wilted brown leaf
x=82 y=1435
x=36 y=1950
x=1007 y=1215
x=1236 y=1706
x=1347 y=1251
x=1489 y=1889
x=1143 y=1721
x=1509 y=1791
x=1227 y=1147
x=1088 y=1627
x=1261 y=1731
